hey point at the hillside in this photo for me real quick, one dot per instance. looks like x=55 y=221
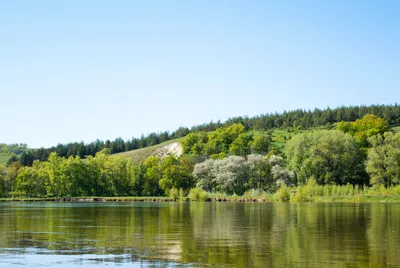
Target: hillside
x=270 y=124
x=171 y=147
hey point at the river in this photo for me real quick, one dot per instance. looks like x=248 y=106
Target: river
x=150 y=234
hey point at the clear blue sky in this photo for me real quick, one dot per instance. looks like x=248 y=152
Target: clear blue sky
x=82 y=70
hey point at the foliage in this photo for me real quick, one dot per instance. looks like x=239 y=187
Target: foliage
x=259 y=172
x=296 y=119
x=13 y=149
x=198 y=194
x=231 y=175
x=182 y=196
x=307 y=192
x=220 y=140
x=173 y=194
x=256 y=193
x=176 y=173
x=241 y=145
x=383 y=162
x=205 y=175
x=364 y=128
x=283 y=194
x=238 y=162
x=194 y=143
x=353 y=193
x=102 y=175
x=237 y=174
x=261 y=144
x=329 y=156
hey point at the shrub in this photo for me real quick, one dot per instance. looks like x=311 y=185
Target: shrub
x=182 y=196
x=174 y=194
x=327 y=190
x=283 y=194
x=302 y=195
x=220 y=195
x=396 y=189
x=253 y=193
x=198 y=194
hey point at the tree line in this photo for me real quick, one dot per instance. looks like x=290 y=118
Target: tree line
x=362 y=152
x=101 y=175
x=298 y=119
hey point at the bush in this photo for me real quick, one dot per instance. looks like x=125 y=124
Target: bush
x=198 y=194
x=174 y=194
x=396 y=189
x=302 y=195
x=306 y=193
x=219 y=195
x=283 y=194
x=182 y=196
x=253 y=193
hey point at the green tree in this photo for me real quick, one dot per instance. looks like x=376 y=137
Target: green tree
x=12 y=159
x=3 y=186
x=10 y=177
x=383 y=162
x=259 y=172
x=220 y=140
x=170 y=173
x=260 y=144
x=137 y=179
x=29 y=183
x=57 y=185
x=364 y=128
x=152 y=176
x=241 y=145
x=194 y=143
x=329 y=156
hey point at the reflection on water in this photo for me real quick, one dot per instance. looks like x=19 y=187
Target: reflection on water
x=170 y=234
x=32 y=257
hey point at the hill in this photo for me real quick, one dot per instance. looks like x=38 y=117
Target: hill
x=171 y=147
x=278 y=126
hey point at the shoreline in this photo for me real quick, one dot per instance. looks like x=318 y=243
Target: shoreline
x=366 y=199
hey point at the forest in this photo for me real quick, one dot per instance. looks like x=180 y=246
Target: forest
x=297 y=119
x=236 y=159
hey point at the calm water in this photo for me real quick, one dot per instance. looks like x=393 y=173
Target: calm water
x=199 y=234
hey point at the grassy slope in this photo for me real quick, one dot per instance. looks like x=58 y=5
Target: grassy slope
x=396 y=129
x=143 y=153
x=280 y=137
x=4 y=159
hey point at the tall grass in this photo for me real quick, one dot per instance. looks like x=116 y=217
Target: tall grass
x=258 y=194
x=282 y=194
x=310 y=192
x=314 y=192
x=198 y=194
x=174 y=194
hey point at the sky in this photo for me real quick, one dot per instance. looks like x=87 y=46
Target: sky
x=85 y=70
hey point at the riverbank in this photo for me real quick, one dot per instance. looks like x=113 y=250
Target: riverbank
x=90 y=199
x=237 y=199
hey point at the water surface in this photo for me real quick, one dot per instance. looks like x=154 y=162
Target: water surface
x=199 y=234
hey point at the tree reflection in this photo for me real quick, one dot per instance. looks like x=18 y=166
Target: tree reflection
x=240 y=234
